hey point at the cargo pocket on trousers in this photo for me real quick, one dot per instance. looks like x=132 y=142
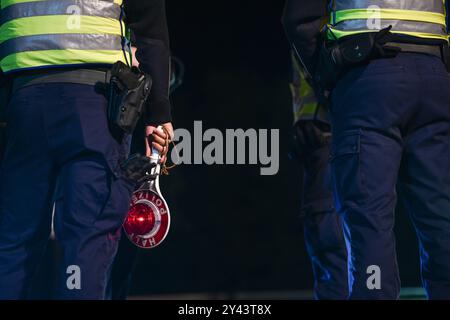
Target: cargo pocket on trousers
x=347 y=178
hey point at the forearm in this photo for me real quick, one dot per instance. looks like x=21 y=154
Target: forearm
x=147 y=20
x=303 y=21
x=154 y=59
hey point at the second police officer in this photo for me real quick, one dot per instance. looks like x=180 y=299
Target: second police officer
x=390 y=116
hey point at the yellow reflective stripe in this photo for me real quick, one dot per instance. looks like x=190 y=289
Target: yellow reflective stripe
x=305 y=89
x=6 y=3
x=390 y=14
x=337 y=34
x=307 y=111
x=46 y=25
x=33 y=59
x=302 y=96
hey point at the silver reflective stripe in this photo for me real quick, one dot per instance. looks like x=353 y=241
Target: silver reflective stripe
x=60 y=42
x=418 y=5
x=99 y=8
x=397 y=25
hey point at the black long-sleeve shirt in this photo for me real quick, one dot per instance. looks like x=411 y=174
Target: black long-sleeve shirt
x=147 y=20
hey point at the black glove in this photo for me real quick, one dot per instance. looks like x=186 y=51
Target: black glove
x=137 y=168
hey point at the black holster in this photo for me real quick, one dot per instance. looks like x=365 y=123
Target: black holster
x=129 y=90
x=337 y=57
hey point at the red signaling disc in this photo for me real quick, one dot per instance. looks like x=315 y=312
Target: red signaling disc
x=148 y=219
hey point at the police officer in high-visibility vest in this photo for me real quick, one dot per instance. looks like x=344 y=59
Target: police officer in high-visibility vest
x=58 y=56
x=324 y=237
x=385 y=65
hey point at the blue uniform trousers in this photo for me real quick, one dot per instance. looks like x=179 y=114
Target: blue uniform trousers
x=391 y=126
x=58 y=134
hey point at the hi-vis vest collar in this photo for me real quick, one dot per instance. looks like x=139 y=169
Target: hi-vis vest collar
x=419 y=18
x=46 y=33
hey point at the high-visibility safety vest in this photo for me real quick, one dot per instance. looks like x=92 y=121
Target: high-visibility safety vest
x=418 y=18
x=46 y=33
x=304 y=101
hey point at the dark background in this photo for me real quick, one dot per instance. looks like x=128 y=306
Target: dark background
x=232 y=229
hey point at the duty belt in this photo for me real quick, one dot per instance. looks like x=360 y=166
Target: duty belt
x=90 y=77
x=435 y=50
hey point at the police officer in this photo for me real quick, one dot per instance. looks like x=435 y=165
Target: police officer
x=58 y=55
x=323 y=229
x=390 y=117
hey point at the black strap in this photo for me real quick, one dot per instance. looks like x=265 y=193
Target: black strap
x=79 y=76
x=417 y=48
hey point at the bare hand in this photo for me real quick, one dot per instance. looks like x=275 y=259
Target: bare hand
x=159 y=140
x=135 y=62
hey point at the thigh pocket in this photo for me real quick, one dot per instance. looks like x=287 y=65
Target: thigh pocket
x=347 y=178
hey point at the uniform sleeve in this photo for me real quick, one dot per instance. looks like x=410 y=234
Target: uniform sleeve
x=148 y=22
x=303 y=21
